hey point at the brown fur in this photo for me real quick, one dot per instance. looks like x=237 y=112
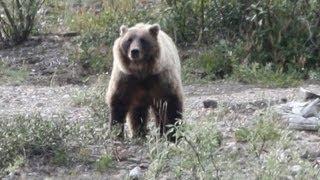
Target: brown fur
x=150 y=79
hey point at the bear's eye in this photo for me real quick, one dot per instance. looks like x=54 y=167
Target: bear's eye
x=130 y=40
x=143 y=41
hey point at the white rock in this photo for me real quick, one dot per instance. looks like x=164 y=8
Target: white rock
x=305 y=94
x=311 y=109
x=296 y=169
x=300 y=123
x=136 y=173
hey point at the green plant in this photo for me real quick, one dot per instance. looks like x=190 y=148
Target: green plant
x=266 y=76
x=62 y=143
x=217 y=63
x=314 y=74
x=258 y=136
x=103 y=163
x=60 y=157
x=242 y=134
x=17 y=19
x=284 y=32
x=10 y=75
x=27 y=137
x=193 y=156
x=94 y=97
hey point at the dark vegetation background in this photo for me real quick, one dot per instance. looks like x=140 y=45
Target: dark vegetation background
x=274 y=43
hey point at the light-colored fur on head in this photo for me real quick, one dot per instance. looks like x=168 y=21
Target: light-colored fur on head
x=168 y=57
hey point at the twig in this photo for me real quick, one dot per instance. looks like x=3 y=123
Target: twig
x=195 y=151
x=8 y=14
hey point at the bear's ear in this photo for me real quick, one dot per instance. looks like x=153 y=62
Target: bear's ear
x=154 y=30
x=123 y=30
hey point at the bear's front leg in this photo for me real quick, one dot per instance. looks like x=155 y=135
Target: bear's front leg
x=173 y=114
x=118 y=112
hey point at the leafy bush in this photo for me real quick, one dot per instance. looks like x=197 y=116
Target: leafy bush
x=17 y=19
x=258 y=152
x=203 y=21
x=266 y=75
x=193 y=156
x=12 y=75
x=28 y=137
x=263 y=132
x=99 y=30
x=218 y=62
x=103 y=163
x=285 y=33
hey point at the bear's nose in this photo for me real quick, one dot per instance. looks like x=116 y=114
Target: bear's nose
x=135 y=53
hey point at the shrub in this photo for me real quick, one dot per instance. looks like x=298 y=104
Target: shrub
x=193 y=156
x=17 y=20
x=266 y=76
x=203 y=21
x=217 y=63
x=99 y=30
x=285 y=33
x=28 y=137
x=103 y=163
x=264 y=150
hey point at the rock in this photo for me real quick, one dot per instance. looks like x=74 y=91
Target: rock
x=144 y=165
x=310 y=155
x=307 y=94
x=284 y=100
x=300 y=123
x=312 y=109
x=210 y=104
x=136 y=173
x=296 y=169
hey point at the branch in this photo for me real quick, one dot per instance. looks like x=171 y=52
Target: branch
x=195 y=151
x=20 y=13
x=10 y=19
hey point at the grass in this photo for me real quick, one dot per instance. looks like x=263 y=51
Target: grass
x=264 y=76
x=13 y=76
x=264 y=150
x=55 y=142
x=94 y=97
x=193 y=73
x=103 y=163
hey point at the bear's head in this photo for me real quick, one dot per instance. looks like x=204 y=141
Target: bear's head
x=139 y=43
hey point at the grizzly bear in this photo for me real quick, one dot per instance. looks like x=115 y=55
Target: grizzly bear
x=145 y=74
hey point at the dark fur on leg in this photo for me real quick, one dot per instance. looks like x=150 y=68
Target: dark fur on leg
x=118 y=111
x=168 y=113
x=174 y=113
x=138 y=121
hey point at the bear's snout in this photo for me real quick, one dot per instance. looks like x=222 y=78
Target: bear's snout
x=135 y=53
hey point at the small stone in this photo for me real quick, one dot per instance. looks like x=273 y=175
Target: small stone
x=144 y=165
x=296 y=169
x=135 y=173
x=210 y=104
x=39 y=104
x=284 y=100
